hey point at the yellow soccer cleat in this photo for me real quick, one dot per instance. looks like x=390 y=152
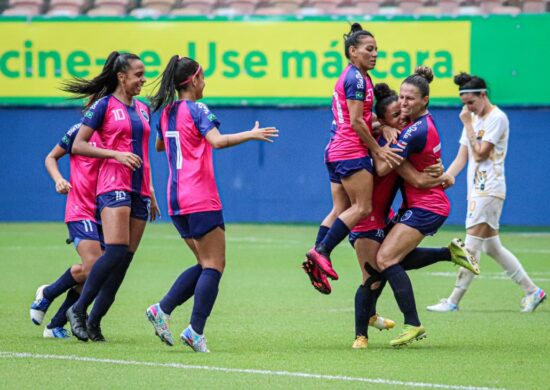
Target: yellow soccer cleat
x=381 y=323
x=408 y=335
x=462 y=257
x=361 y=342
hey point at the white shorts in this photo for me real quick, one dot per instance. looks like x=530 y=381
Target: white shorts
x=484 y=209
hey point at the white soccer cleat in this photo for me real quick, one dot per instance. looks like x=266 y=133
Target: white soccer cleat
x=443 y=306
x=56 y=333
x=39 y=306
x=194 y=340
x=159 y=319
x=531 y=301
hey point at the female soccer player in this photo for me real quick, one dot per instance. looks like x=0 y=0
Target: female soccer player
x=124 y=190
x=350 y=151
x=483 y=145
x=187 y=132
x=84 y=230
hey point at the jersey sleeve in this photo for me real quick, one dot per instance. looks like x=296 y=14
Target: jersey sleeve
x=66 y=143
x=495 y=129
x=354 y=85
x=413 y=139
x=95 y=115
x=463 y=138
x=204 y=119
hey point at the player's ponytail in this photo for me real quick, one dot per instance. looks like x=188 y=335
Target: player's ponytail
x=384 y=97
x=177 y=76
x=352 y=38
x=470 y=84
x=103 y=84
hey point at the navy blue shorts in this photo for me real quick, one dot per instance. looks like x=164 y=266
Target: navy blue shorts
x=139 y=205
x=422 y=220
x=196 y=225
x=85 y=230
x=337 y=170
x=377 y=235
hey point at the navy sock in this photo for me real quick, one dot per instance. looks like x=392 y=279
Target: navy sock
x=60 y=319
x=323 y=230
x=422 y=257
x=373 y=298
x=99 y=273
x=361 y=314
x=106 y=296
x=403 y=292
x=65 y=282
x=206 y=292
x=182 y=289
x=337 y=232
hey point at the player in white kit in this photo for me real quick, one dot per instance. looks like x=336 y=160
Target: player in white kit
x=483 y=146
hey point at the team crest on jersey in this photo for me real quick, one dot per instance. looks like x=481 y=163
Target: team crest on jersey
x=144 y=114
x=480 y=135
x=408 y=214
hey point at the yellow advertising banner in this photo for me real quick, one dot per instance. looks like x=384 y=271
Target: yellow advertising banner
x=244 y=61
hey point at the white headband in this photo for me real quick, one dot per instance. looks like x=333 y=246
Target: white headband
x=472 y=90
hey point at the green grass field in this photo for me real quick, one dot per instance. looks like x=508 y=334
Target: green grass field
x=269 y=327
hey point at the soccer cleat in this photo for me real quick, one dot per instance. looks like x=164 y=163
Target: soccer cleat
x=460 y=256
x=443 y=306
x=78 y=324
x=196 y=341
x=408 y=335
x=361 y=342
x=56 y=333
x=318 y=279
x=94 y=333
x=40 y=306
x=159 y=319
x=381 y=323
x=323 y=263
x=531 y=301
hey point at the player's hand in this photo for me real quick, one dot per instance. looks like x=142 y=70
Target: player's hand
x=390 y=134
x=131 y=160
x=465 y=116
x=436 y=169
x=154 y=211
x=264 y=133
x=448 y=180
x=62 y=186
x=389 y=156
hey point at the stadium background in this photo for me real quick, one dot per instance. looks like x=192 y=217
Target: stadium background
x=258 y=76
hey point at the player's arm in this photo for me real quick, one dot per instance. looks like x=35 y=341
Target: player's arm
x=422 y=179
x=359 y=125
x=481 y=151
x=83 y=148
x=62 y=186
x=154 y=212
x=220 y=141
x=159 y=145
x=459 y=162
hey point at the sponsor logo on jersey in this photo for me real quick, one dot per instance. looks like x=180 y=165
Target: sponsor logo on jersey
x=359 y=95
x=437 y=148
x=144 y=114
x=411 y=129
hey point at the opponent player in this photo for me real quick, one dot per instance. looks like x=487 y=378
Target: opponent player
x=483 y=145
x=124 y=189
x=187 y=132
x=351 y=148
x=84 y=230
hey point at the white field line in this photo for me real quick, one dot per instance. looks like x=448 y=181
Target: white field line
x=381 y=381
x=494 y=276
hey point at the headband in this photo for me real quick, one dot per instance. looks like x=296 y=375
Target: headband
x=190 y=78
x=472 y=90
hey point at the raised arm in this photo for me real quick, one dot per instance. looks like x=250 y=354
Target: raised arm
x=220 y=141
x=62 y=185
x=481 y=151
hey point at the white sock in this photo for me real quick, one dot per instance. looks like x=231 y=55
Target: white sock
x=464 y=277
x=509 y=263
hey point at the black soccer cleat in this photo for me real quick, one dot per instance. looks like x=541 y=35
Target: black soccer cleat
x=94 y=333
x=78 y=324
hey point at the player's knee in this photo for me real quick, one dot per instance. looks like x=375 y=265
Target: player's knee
x=384 y=260
x=363 y=211
x=78 y=273
x=215 y=263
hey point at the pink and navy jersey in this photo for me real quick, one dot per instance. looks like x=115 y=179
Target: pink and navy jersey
x=420 y=143
x=81 y=202
x=191 y=183
x=345 y=143
x=125 y=129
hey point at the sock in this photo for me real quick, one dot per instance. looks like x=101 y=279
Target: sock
x=361 y=314
x=371 y=303
x=106 y=296
x=65 y=282
x=493 y=247
x=60 y=319
x=206 y=292
x=337 y=232
x=182 y=289
x=99 y=273
x=422 y=257
x=464 y=277
x=403 y=292
x=323 y=230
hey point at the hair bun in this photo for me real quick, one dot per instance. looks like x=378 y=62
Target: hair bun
x=382 y=91
x=425 y=72
x=356 y=27
x=462 y=78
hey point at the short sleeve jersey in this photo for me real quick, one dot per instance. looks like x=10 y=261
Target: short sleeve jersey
x=191 y=183
x=345 y=143
x=125 y=129
x=81 y=200
x=486 y=178
x=421 y=145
